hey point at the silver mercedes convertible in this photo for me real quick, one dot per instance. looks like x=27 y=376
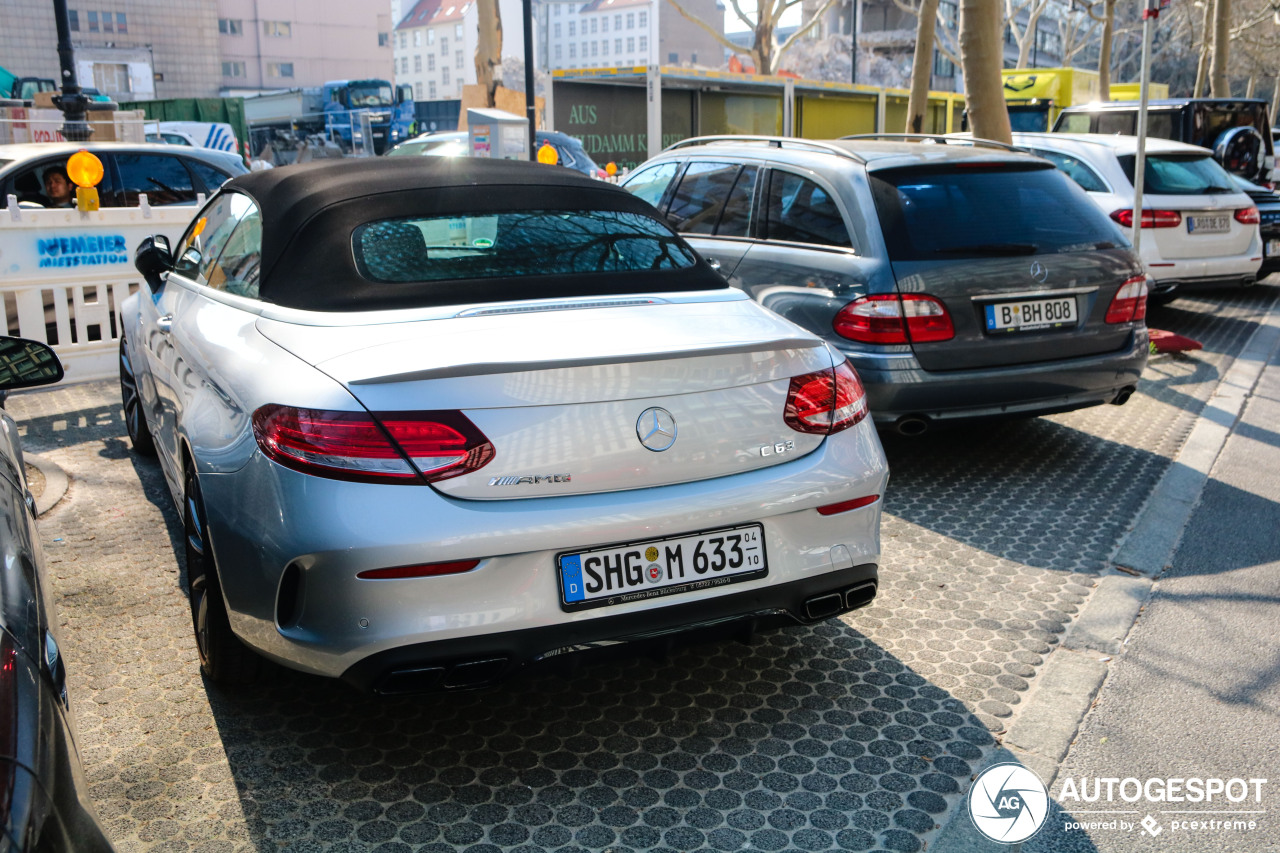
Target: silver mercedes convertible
x=427 y=423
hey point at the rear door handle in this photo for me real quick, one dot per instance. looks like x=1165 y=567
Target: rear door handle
x=165 y=323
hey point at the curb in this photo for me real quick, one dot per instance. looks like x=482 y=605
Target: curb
x=1064 y=690
x=55 y=482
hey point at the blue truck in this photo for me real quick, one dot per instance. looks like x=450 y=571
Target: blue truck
x=337 y=112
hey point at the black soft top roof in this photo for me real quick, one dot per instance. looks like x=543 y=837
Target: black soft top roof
x=309 y=212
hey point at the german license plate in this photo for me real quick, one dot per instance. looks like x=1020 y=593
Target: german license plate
x=643 y=570
x=1031 y=315
x=1273 y=248
x=1216 y=224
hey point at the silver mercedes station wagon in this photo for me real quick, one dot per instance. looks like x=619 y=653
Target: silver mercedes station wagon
x=429 y=420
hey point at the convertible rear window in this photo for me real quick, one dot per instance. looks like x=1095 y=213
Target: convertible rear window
x=987 y=210
x=515 y=244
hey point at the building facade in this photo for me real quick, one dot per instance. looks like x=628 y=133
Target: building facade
x=435 y=45
x=285 y=44
x=128 y=49
x=620 y=33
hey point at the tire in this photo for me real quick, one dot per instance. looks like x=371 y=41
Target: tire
x=135 y=420
x=224 y=660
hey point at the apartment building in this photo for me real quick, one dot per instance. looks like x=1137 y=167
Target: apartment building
x=435 y=45
x=283 y=44
x=619 y=33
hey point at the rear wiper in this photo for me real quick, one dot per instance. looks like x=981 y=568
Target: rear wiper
x=990 y=249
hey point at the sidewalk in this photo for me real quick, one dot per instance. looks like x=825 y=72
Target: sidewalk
x=1196 y=692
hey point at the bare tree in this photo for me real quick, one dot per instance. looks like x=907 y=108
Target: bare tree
x=1024 y=35
x=1219 y=83
x=922 y=67
x=488 y=48
x=765 y=52
x=981 y=58
x=1076 y=28
x=1202 y=62
x=1108 y=21
x=946 y=33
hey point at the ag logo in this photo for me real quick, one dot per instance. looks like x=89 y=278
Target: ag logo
x=1008 y=803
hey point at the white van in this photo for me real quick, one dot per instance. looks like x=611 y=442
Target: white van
x=199 y=134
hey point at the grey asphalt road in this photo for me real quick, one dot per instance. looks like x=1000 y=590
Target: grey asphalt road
x=1196 y=694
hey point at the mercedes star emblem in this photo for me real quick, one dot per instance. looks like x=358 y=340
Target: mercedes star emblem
x=1039 y=273
x=656 y=429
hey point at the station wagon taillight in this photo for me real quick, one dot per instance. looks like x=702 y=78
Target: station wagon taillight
x=1150 y=218
x=1248 y=216
x=890 y=318
x=826 y=401
x=1130 y=302
x=392 y=447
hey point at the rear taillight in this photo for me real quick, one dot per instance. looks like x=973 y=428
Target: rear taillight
x=1248 y=216
x=825 y=402
x=1150 y=218
x=895 y=319
x=398 y=447
x=1130 y=302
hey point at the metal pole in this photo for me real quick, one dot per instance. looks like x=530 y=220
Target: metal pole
x=1149 y=15
x=530 y=94
x=854 y=36
x=72 y=102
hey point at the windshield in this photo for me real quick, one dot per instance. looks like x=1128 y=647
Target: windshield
x=987 y=210
x=445 y=147
x=370 y=95
x=1029 y=119
x=1180 y=174
x=519 y=243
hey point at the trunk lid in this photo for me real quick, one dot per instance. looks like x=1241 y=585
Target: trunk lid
x=986 y=239
x=566 y=395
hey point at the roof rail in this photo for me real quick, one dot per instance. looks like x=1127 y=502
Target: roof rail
x=934 y=137
x=772 y=142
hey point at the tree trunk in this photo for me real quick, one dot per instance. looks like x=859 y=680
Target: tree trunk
x=488 y=47
x=1104 y=54
x=1253 y=82
x=1219 y=84
x=1275 y=101
x=1202 y=65
x=981 y=58
x=1029 y=35
x=921 y=67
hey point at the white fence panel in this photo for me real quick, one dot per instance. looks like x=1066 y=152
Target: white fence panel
x=64 y=275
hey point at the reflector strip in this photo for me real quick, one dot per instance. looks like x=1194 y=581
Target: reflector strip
x=423 y=571
x=845 y=506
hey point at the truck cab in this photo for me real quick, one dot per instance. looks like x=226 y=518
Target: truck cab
x=367 y=115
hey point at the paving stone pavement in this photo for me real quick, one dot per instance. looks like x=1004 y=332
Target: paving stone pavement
x=858 y=734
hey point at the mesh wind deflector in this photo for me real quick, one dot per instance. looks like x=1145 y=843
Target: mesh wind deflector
x=524 y=243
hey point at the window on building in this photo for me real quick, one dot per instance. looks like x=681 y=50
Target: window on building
x=555 y=10
x=573 y=29
x=942 y=67
x=593 y=25
x=231 y=26
x=573 y=51
x=417 y=91
x=431 y=62
x=92 y=18
x=444 y=45
x=673 y=59
x=233 y=69
x=277 y=29
x=73 y=20
x=631 y=44
x=417 y=63
x=417 y=38
x=457 y=59
x=445 y=77
x=108 y=22
x=595 y=48
x=631 y=20
x=604 y=47
x=644 y=19
x=644 y=43
x=617 y=21
x=431 y=89
x=404 y=38
x=384 y=39
x=122 y=23
x=457 y=31
x=558 y=57
x=617 y=45
x=279 y=69
x=604 y=25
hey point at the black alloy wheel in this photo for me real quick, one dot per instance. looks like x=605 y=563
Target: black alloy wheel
x=135 y=421
x=223 y=658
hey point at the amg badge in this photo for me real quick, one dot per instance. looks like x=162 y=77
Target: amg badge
x=531 y=480
x=777 y=449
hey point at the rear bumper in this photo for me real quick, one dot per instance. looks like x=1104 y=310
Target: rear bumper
x=1211 y=272
x=898 y=387
x=471 y=662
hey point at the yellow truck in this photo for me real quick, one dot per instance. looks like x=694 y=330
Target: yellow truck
x=1035 y=96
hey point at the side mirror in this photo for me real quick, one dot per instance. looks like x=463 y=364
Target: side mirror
x=153 y=258
x=26 y=364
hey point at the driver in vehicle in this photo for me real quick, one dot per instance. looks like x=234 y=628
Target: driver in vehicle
x=58 y=187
